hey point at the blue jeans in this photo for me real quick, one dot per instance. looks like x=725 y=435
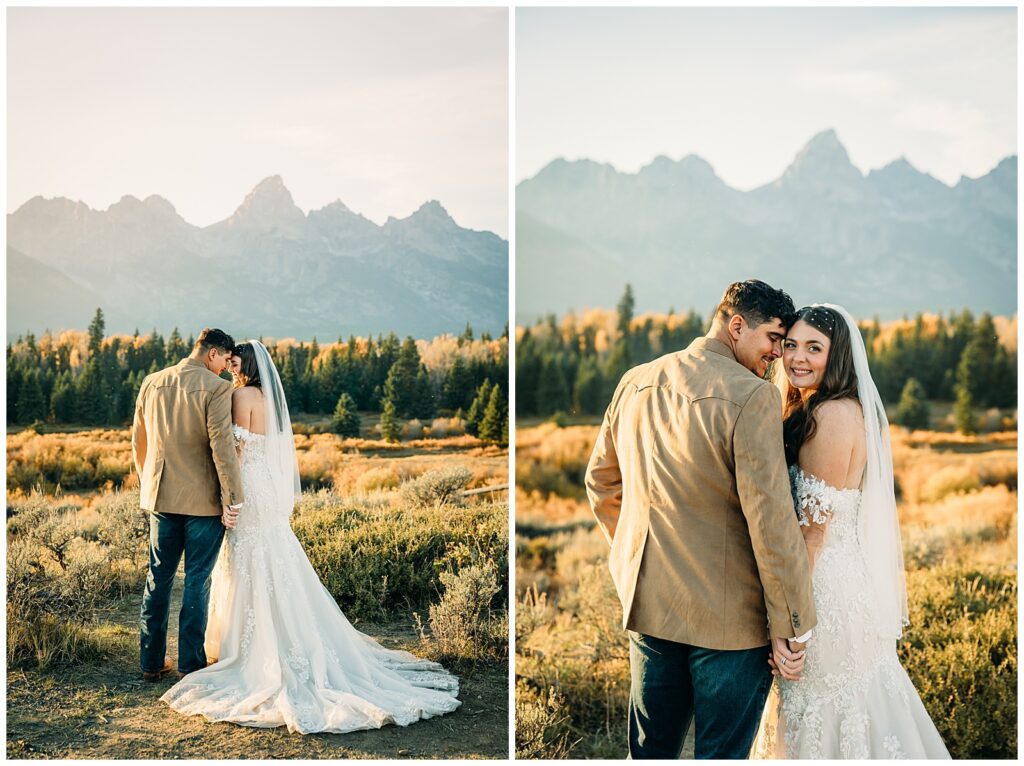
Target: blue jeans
x=672 y=683
x=171 y=535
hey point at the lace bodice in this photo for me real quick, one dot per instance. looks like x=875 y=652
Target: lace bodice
x=252 y=448
x=822 y=503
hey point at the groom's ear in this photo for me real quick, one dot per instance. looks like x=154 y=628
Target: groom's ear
x=736 y=324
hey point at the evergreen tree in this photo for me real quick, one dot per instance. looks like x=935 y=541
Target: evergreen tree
x=345 y=421
x=589 y=390
x=176 y=348
x=457 y=389
x=400 y=386
x=528 y=369
x=492 y=424
x=467 y=335
x=912 y=411
x=97 y=329
x=94 y=399
x=424 y=406
x=552 y=388
x=31 y=404
x=291 y=384
x=15 y=377
x=963 y=409
x=476 y=409
x=389 y=428
x=63 y=403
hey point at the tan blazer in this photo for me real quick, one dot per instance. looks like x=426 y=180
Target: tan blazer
x=688 y=482
x=182 y=444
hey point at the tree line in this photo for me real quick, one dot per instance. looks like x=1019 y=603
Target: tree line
x=91 y=379
x=572 y=365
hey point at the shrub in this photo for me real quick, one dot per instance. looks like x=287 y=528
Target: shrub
x=376 y=479
x=442 y=427
x=51 y=613
x=542 y=729
x=961 y=653
x=461 y=623
x=412 y=429
x=378 y=562
x=437 y=488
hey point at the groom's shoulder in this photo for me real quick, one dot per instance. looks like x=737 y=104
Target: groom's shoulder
x=709 y=375
x=190 y=376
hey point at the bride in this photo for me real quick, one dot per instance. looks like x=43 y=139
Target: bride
x=853 y=699
x=287 y=654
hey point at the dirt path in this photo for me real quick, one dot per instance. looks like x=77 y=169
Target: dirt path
x=106 y=711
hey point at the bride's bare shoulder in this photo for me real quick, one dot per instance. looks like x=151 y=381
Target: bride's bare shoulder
x=839 y=414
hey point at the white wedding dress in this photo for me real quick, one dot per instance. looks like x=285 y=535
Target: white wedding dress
x=287 y=656
x=854 y=699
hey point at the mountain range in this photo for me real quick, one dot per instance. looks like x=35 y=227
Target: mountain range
x=894 y=241
x=267 y=270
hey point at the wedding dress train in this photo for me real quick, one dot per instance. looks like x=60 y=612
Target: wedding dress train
x=287 y=655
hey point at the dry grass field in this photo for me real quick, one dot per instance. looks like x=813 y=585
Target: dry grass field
x=958 y=513
x=410 y=559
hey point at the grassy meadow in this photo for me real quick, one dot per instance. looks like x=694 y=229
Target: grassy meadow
x=409 y=557
x=958 y=513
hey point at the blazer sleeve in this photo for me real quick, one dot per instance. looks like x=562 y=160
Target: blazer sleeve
x=762 y=483
x=604 y=478
x=222 y=445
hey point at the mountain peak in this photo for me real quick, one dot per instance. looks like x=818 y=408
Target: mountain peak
x=433 y=209
x=822 y=162
x=269 y=206
x=159 y=204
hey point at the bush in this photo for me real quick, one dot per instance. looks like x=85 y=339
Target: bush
x=412 y=429
x=462 y=623
x=542 y=720
x=960 y=651
x=51 y=612
x=437 y=488
x=381 y=562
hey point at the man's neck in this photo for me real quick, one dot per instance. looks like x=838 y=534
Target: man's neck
x=199 y=357
x=720 y=333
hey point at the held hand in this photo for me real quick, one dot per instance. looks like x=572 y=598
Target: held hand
x=228 y=517
x=796 y=646
x=784 y=662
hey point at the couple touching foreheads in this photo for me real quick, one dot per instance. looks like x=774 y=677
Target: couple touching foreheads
x=754 y=534
x=216 y=463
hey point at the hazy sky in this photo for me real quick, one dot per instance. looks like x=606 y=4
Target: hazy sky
x=382 y=108
x=746 y=88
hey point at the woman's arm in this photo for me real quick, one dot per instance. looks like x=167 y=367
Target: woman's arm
x=826 y=456
x=241 y=414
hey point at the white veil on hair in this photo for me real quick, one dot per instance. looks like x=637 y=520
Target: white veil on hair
x=280 y=444
x=879 y=523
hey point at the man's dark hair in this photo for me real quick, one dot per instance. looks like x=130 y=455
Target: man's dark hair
x=212 y=338
x=756 y=302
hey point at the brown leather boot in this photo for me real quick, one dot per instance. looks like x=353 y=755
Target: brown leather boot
x=156 y=675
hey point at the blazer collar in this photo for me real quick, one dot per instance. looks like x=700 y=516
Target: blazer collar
x=190 y=362
x=714 y=345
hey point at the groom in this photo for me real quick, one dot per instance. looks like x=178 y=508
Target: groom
x=688 y=482
x=189 y=478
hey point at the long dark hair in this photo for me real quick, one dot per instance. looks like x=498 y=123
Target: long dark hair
x=838 y=382
x=249 y=370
